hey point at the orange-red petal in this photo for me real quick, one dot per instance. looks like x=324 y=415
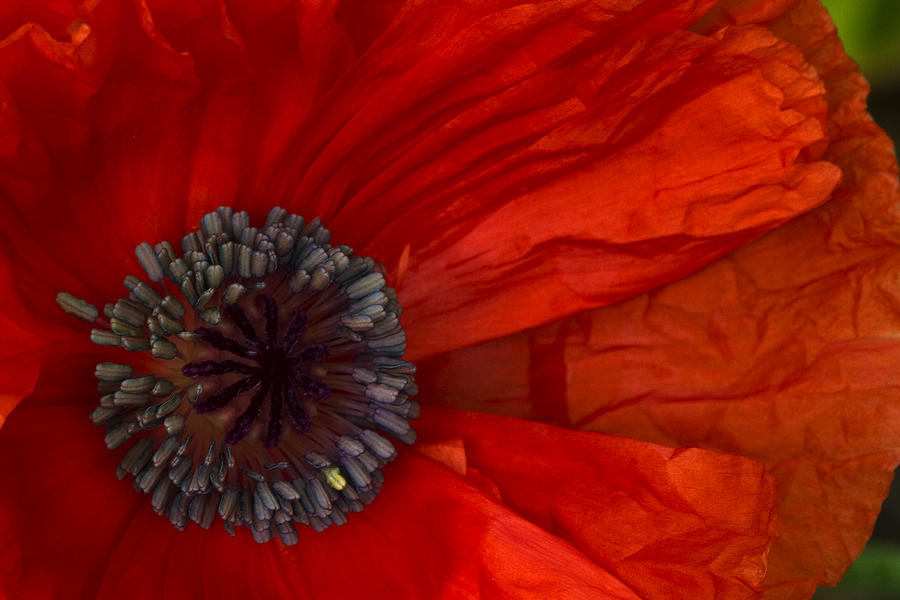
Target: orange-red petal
x=645 y=150
x=785 y=351
x=138 y=121
x=669 y=523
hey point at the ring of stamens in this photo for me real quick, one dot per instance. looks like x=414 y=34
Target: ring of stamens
x=265 y=378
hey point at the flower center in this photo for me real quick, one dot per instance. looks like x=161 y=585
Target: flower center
x=263 y=377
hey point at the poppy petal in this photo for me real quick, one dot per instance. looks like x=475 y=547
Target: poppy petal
x=639 y=510
x=543 y=161
x=55 y=514
x=430 y=534
x=785 y=351
x=54 y=207
x=775 y=374
x=162 y=97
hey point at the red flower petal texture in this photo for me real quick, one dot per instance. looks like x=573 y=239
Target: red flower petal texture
x=511 y=165
x=783 y=352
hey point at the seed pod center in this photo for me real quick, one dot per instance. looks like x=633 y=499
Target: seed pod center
x=275 y=364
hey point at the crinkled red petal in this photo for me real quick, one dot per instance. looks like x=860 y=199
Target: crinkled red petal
x=785 y=351
x=533 y=155
x=641 y=511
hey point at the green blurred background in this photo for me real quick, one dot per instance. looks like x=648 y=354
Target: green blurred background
x=870 y=30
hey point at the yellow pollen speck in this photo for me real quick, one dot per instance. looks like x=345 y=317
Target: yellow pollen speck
x=334 y=478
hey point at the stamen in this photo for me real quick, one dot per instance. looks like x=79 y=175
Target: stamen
x=147 y=257
x=316 y=336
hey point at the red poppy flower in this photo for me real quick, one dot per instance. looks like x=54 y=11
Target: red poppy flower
x=510 y=165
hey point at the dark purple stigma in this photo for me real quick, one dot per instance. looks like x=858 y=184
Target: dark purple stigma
x=273 y=369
